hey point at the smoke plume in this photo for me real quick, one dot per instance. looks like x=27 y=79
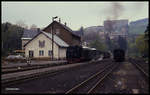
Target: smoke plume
x=115 y=11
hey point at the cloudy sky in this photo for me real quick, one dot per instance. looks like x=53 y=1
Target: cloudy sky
x=75 y=14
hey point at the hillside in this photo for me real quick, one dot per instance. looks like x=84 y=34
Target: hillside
x=139 y=22
x=135 y=27
x=138 y=26
x=93 y=29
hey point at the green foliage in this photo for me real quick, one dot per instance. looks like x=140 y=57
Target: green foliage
x=132 y=49
x=11 y=38
x=146 y=35
x=138 y=46
x=137 y=29
x=98 y=45
x=142 y=45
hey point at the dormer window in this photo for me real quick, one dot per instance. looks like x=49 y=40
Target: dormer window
x=41 y=44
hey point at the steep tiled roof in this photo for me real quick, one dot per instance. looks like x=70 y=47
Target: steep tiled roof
x=57 y=40
x=64 y=26
x=29 y=33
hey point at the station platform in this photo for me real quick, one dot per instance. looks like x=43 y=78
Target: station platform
x=33 y=62
x=19 y=75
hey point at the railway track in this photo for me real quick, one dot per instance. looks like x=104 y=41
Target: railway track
x=19 y=69
x=90 y=84
x=145 y=73
x=16 y=80
x=13 y=69
x=27 y=78
x=7 y=70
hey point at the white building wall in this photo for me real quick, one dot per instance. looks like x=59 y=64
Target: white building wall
x=62 y=53
x=24 y=41
x=34 y=45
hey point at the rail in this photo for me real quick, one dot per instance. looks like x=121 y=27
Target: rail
x=140 y=68
x=22 y=78
x=79 y=86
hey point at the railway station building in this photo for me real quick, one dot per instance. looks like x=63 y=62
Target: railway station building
x=61 y=30
x=64 y=32
x=28 y=35
x=40 y=46
x=63 y=37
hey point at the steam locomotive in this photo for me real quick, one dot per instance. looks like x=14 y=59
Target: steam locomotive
x=119 y=55
x=76 y=54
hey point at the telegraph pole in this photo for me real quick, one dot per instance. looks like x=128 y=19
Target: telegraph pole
x=53 y=37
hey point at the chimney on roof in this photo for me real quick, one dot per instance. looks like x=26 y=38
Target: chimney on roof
x=59 y=20
x=65 y=23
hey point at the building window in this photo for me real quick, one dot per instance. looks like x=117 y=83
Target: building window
x=41 y=44
x=41 y=53
x=31 y=53
x=50 y=53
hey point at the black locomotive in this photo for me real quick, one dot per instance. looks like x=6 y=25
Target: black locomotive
x=79 y=54
x=119 y=55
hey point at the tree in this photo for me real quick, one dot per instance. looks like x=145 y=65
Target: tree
x=98 y=45
x=142 y=45
x=132 y=49
x=22 y=24
x=11 y=37
x=146 y=34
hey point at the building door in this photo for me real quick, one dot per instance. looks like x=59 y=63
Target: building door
x=31 y=54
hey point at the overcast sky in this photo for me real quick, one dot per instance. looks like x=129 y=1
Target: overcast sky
x=75 y=14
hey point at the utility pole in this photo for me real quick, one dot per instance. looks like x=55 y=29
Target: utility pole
x=53 y=37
